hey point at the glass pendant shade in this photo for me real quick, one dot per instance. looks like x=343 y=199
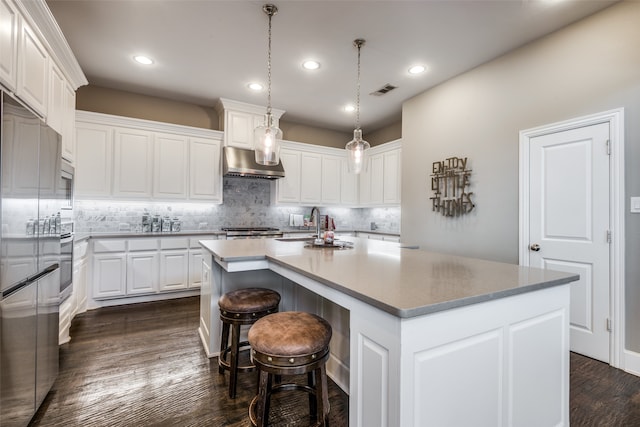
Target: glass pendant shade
x=267 y=140
x=356 y=153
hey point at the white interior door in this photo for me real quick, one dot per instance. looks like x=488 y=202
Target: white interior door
x=569 y=225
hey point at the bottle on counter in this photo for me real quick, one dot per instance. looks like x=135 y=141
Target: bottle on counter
x=166 y=224
x=155 y=225
x=45 y=226
x=146 y=224
x=58 y=224
x=30 y=227
x=176 y=225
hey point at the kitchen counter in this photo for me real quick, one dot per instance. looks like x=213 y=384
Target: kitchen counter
x=132 y=234
x=416 y=321
x=402 y=282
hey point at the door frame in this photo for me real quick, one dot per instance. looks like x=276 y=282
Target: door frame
x=615 y=118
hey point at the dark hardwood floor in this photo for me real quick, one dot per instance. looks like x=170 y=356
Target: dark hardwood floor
x=143 y=365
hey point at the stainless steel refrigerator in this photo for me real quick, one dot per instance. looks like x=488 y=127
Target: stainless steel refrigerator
x=29 y=265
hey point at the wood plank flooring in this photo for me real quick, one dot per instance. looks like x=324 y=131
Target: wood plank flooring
x=143 y=365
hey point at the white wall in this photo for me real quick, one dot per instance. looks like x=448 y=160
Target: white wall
x=588 y=67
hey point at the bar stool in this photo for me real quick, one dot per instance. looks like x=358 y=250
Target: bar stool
x=290 y=343
x=237 y=308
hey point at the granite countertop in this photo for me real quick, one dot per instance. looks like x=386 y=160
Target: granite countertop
x=403 y=282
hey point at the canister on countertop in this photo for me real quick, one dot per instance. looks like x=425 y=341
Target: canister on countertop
x=166 y=224
x=155 y=225
x=146 y=223
x=176 y=225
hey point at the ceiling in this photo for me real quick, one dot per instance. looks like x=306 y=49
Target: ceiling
x=209 y=49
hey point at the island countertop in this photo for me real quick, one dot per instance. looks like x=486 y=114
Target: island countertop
x=403 y=282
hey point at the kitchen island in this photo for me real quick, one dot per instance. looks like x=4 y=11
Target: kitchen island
x=434 y=339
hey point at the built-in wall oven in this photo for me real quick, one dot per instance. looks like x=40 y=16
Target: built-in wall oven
x=66 y=229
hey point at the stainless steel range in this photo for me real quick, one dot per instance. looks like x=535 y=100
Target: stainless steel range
x=251 y=232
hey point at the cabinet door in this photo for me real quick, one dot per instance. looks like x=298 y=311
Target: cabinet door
x=33 y=69
x=391 y=180
x=174 y=270
x=94 y=150
x=239 y=129
x=55 y=111
x=376 y=174
x=170 y=166
x=205 y=178
x=80 y=281
x=69 y=124
x=142 y=272
x=310 y=178
x=8 y=43
x=365 y=184
x=195 y=268
x=288 y=188
x=109 y=275
x=133 y=163
x=331 y=168
x=348 y=185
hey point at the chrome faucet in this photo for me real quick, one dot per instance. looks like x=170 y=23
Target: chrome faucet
x=319 y=239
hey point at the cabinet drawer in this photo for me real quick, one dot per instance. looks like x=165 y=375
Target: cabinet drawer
x=173 y=243
x=111 y=245
x=143 y=244
x=193 y=241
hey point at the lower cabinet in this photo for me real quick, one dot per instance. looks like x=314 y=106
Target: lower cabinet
x=145 y=266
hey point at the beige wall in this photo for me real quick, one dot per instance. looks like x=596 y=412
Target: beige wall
x=128 y=104
x=386 y=134
x=588 y=67
x=120 y=103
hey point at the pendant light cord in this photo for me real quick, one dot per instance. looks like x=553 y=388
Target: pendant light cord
x=269 y=10
x=358 y=43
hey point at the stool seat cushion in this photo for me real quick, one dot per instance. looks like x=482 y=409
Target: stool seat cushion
x=249 y=300
x=290 y=333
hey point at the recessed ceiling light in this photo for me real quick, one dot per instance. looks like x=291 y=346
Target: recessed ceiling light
x=310 y=65
x=143 y=60
x=417 y=69
x=255 y=86
x=350 y=108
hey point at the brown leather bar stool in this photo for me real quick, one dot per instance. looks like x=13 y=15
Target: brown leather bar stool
x=290 y=343
x=238 y=308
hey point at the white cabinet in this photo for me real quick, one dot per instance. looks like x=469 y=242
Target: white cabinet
x=330 y=179
x=315 y=176
x=379 y=236
x=8 y=44
x=146 y=160
x=288 y=188
x=57 y=93
x=109 y=275
x=94 y=166
x=174 y=268
x=142 y=272
x=380 y=184
x=133 y=163
x=33 y=70
x=170 y=168
x=310 y=178
x=239 y=120
x=69 y=124
x=195 y=268
x=205 y=174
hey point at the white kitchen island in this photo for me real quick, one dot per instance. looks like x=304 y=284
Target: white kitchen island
x=434 y=339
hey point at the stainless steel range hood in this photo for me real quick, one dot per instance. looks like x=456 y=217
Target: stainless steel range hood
x=241 y=162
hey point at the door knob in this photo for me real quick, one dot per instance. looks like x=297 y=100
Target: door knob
x=535 y=247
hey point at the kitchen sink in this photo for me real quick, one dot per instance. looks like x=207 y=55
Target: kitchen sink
x=295 y=239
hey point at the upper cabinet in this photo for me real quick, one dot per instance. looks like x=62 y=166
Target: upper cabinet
x=37 y=66
x=33 y=70
x=238 y=120
x=145 y=160
x=316 y=175
x=8 y=44
x=380 y=183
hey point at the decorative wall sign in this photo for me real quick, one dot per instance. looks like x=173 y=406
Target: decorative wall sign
x=450 y=180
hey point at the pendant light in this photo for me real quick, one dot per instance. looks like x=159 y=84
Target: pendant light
x=267 y=138
x=357 y=147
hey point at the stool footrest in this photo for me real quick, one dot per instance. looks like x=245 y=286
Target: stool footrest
x=223 y=360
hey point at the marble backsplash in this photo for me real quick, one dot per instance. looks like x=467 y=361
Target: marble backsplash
x=247 y=203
